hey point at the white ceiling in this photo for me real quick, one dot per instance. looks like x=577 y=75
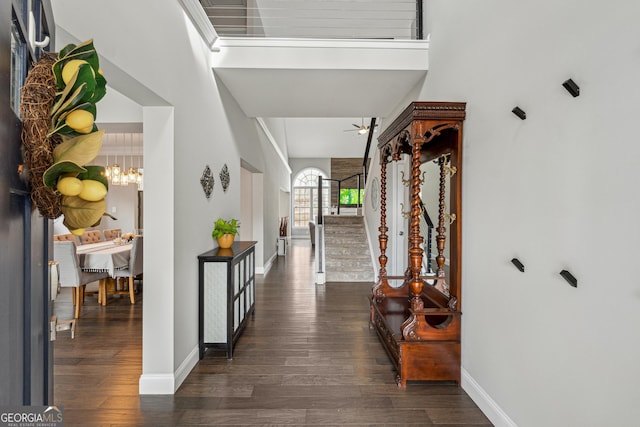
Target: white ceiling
x=320 y=87
x=326 y=137
x=318 y=93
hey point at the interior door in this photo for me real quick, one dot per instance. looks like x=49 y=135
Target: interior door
x=26 y=362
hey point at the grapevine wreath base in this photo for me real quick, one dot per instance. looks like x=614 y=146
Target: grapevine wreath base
x=38 y=94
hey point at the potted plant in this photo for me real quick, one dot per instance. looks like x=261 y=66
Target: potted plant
x=224 y=231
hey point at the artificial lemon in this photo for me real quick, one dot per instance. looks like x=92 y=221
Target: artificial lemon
x=70 y=68
x=88 y=129
x=77 y=231
x=69 y=186
x=80 y=120
x=92 y=190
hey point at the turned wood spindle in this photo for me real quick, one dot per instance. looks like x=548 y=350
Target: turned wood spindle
x=383 y=238
x=415 y=239
x=441 y=238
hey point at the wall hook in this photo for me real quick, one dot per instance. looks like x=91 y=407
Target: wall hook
x=569 y=278
x=519 y=112
x=571 y=87
x=518 y=264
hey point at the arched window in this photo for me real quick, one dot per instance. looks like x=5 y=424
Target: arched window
x=305 y=197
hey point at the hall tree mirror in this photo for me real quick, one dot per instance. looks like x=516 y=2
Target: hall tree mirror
x=430 y=171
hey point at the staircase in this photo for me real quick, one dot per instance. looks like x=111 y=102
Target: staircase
x=347 y=256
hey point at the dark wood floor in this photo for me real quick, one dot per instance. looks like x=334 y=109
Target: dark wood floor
x=307 y=358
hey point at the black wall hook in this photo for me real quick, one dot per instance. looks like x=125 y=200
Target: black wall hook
x=569 y=278
x=571 y=87
x=518 y=264
x=519 y=112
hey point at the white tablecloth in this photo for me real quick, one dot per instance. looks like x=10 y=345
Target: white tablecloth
x=104 y=256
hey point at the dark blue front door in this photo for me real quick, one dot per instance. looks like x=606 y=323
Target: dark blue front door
x=25 y=352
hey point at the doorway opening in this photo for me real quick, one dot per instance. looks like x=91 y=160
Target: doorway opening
x=306 y=200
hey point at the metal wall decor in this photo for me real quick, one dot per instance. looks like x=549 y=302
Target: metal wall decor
x=375 y=194
x=225 y=178
x=207 y=182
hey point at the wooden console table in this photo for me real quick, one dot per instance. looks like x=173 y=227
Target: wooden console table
x=227 y=290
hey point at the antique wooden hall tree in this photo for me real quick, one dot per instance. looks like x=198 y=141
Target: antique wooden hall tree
x=418 y=322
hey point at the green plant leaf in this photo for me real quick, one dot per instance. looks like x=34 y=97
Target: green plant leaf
x=68 y=98
x=95 y=173
x=72 y=49
x=80 y=149
x=100 y=89
x=87 y=75
x=222 y=227
x=51 y=175
x=72 y=95
x=65 y=50
x=79 y=213
x=85 y=51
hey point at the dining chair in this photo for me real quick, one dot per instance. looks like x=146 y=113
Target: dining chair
x=133 y=270
x=65 y=238
x=92 y=236
x=112 y=233
x=71 y=275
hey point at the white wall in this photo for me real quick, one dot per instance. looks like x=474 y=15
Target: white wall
x=298 y=164
x=246 y=205
x=557 y=190
x=190 y=121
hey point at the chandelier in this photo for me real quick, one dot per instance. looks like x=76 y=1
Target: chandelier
x=124 y=176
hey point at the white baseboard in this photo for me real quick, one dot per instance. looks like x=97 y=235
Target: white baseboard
x=267 y=266
x=168 y=383
x=186 y=366
x=491 y=409
x=156 y=384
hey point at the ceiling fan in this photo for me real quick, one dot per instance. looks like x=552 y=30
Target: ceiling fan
x=362 y=128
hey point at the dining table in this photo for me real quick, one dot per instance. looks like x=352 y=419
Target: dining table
x=107 y=256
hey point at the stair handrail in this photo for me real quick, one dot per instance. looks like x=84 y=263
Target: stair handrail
x=372 y=127
x=339 y=181
x=319 y=230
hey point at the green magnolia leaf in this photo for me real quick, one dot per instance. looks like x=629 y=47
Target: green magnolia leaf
x=95 y=173
x=51 y=175
x=87 y=75
x=70 y=132
x=85 y=47
x=63 y=129
x=72 y=49
x=68 y=97
x=79 y=213
x=91 y=56
x=100 y=89
x=84 y=51
x=80 y=149
x=72 y=95
x=65 y=50
x=58 y=66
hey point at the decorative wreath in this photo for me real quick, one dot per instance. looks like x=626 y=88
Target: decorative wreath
x=58 y=109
